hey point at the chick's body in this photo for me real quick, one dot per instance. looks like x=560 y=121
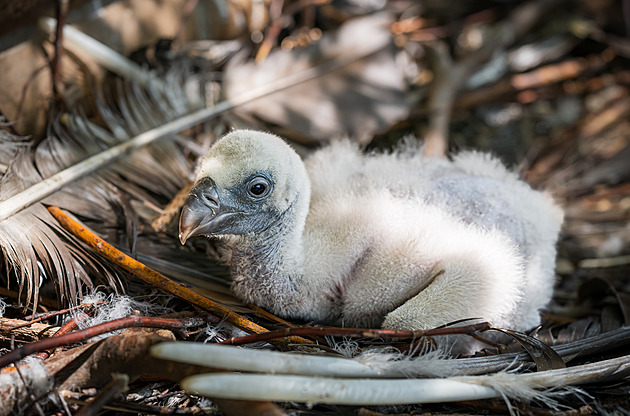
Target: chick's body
x=387 y=239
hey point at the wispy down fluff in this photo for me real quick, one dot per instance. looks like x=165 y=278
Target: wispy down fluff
x=113 y=307
x=3 y=306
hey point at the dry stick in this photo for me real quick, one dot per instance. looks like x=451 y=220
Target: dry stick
x=57 y=84
x=273 y=31
x=84 y=335
x=540 y=77
x=118 y=385
x=152 y=277
x=278 y=13
x=356 y=332
x=269 y=316
x=69 y=326
x=47 y=315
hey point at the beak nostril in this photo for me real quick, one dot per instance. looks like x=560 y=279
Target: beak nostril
x=210 y=200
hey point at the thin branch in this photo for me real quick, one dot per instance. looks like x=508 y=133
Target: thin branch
x=56 y=68
x=355 y=332
x=47 y=315
x=118 y=385
x=84 y=335
x=152 y=277
x=101 y=53
x=269 y=316
x=273 y=31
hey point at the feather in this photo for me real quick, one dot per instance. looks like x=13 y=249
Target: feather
x=34 y=246
x=313 y=379
x=370 y=364
x=179 y=123
x=373 y=363
x=313 y=390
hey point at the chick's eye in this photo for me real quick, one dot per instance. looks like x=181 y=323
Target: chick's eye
x=258 y=188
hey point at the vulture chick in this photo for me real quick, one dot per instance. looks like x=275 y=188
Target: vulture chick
x=396 y=239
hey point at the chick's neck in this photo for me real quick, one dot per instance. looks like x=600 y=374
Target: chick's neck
x=267 y=268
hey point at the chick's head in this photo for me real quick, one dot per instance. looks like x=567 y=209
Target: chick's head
x=246 y=183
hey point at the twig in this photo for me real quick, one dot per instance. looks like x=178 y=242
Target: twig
x=118 y=385
x=16 y=328
x=47 y=315
x=273 y=31
x=161 y=221
x=269 y=316
x=57 y=81
x=355 y=332
x=63 y=402
x=440 y=106
x=278 y=18
x=69 y=326
x=152 y=277
x=101 y=54
x=604 y=262
x=81 y=336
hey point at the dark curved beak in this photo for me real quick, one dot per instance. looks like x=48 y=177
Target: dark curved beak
x=202 y=213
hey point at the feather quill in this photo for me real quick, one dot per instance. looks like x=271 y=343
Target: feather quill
x=374 y=377
x=312 y=379
x=372 y=363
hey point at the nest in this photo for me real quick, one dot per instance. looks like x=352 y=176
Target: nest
x=93 y=177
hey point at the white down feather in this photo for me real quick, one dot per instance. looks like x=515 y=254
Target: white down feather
x=394 y=239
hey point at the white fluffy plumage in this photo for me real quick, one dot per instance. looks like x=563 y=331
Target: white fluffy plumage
x=394 y=239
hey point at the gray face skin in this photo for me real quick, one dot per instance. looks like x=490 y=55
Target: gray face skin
x=238 y=210
x=246 y=185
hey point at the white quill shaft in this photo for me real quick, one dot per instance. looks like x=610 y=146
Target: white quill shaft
x=403 y=391
x=230 y=358
x=35 y=193
x=335 y=391
x=309 y=379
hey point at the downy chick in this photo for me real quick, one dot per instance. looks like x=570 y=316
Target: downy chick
x=396 y=240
